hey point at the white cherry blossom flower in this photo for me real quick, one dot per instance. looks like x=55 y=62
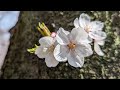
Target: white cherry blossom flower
x=72 y=46
x=45 y=50
x=94 y=30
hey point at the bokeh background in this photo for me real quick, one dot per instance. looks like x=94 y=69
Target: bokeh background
x=19 y=64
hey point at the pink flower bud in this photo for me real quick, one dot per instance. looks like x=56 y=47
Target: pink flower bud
x=53 y=34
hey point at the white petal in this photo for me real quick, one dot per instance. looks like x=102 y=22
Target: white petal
x=96 y=25
x=84 y=50
x=41 y=52
x=97 y=49
x=60 y=53
x=76 y=23
x=46 y=41
x=78 y=34
x=61 y=37
x=98 y=35
x=9 y=20
x=88 y=40
x=75 y=60
x=66 y=32
x=50 y=60
x=84 y=20
x=100 y=42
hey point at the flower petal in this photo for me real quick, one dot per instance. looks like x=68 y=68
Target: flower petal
x=97 y=49
x=100 y=42
x=88 y=40
x=50 y=60
x=84 y=50
x=60 y=53
x=78 y=34
x=41 y=52
x=96 y=25
x=61 y=36
x=84 y=20
x=75 y=60
x=98 y=35
x=46 y=41
x=76 y=23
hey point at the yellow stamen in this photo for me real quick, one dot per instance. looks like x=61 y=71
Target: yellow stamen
x=71 y=45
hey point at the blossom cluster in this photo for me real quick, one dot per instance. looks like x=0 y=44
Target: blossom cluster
x=74 y=46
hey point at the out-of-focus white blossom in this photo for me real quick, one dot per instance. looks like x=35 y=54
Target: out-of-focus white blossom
x=8 y=20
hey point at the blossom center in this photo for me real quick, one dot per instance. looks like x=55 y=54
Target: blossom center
x=87 y=28
x=51 y=48
x=71 y=45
